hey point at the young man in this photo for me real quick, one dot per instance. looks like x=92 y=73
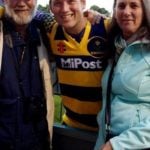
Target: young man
x=80 y=53
x=25 y=94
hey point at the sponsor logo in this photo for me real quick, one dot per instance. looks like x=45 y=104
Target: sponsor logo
x=97 y=46
x=61 y=47
x=76 y=63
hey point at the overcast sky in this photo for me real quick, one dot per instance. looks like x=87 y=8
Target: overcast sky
x=107 y=4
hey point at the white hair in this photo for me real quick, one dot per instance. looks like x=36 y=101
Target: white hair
x=19 y=18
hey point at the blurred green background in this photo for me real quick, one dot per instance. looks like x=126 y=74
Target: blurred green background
x=59 y=110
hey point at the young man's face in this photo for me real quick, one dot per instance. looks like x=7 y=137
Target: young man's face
x=21 y=11
x=68 y=13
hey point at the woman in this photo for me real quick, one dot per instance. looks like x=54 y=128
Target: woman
x=125 y=118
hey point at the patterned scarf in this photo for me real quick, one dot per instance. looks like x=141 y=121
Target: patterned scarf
x=120 y=43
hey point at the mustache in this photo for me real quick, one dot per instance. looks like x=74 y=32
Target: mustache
x=20 y=18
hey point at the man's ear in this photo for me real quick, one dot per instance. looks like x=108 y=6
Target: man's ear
x=114 y=14
x=50 y=6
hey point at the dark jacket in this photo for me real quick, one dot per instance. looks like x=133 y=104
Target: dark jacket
x=23 y=105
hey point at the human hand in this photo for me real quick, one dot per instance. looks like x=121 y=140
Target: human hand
x=93 y=16
x=106 y=146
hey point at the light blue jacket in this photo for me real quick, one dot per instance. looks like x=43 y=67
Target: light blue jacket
x=130 y=100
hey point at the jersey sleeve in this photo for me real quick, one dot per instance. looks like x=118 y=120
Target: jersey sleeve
x=107 y=23
x=1 y=11
x=44 y=20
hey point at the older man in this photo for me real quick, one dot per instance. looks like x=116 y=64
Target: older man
x=25 y=94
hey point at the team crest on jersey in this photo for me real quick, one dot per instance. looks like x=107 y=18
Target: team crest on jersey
x=61 y=47
x=96 y=46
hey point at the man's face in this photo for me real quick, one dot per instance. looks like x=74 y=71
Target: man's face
x=68 y=13
x=21 y=11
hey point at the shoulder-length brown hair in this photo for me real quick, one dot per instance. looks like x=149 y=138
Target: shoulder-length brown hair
x=114 y=28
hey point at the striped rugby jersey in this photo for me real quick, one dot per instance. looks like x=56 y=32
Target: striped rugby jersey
x=80 y=66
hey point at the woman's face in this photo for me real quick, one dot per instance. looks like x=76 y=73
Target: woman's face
x=129 y=16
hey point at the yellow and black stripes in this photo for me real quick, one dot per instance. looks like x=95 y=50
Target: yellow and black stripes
x=86 y=119
x=80 y=67
x=83 y=93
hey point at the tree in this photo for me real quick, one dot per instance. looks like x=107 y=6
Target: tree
x=44 y=8
x=100 y=10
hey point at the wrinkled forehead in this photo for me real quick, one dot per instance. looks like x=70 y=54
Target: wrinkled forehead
x=3 y=1
x=128 y=1
x=50 y=1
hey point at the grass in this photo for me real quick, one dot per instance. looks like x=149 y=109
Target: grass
x=58 y=109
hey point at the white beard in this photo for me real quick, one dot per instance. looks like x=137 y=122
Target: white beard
x=20 y=18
